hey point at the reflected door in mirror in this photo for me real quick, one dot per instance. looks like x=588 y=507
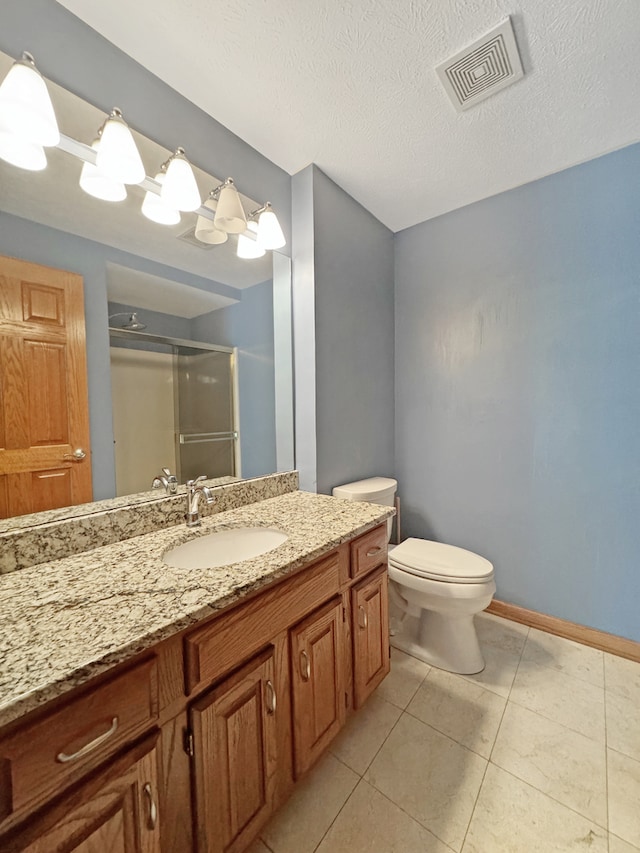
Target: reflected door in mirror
x=44 y=417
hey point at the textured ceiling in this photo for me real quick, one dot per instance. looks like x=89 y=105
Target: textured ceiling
x=351 y=86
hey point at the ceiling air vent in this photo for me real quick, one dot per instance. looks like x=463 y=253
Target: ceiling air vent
x=482 y=69
x=189 y=236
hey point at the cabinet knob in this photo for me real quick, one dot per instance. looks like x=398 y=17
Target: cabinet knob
x=363 y=620
x=271 y=698
x=373 y=551
x=153 y=809
x=305 y=666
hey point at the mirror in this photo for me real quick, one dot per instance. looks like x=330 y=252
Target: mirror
x=179 y=288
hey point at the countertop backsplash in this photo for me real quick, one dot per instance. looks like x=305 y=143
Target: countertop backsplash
x=54 y=537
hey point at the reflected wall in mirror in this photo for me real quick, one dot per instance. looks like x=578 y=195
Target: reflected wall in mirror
x=179 y=288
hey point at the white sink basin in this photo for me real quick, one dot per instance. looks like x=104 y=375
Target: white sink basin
x=223 y=547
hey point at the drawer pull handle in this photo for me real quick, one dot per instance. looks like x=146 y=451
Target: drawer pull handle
x=373 y=551
x=363 y=620
x=271 y=698
x=305 y=666
x=153 y=809
x=62 y=757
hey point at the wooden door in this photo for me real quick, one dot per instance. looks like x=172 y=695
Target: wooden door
x=318 y=682
x=119 y=817
x=44 y=413
x=235 y=757
x=370 y=618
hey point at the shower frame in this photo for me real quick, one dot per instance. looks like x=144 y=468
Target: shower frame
x=176 y=344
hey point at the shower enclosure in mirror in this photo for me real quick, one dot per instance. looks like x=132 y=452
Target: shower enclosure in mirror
x=174 y=401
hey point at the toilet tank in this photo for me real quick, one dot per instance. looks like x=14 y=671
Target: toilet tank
x=376 y=490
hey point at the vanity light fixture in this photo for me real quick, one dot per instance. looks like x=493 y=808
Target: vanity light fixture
x=95 y=183
x=230 y=216
x=270 y=233
x=206 y=230
x=156 y=209
x=179 y=188
x=249 y=248
x=27 y=120
x=117 y=155
x=25 y=155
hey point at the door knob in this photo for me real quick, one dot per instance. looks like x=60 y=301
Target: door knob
x=77 y=456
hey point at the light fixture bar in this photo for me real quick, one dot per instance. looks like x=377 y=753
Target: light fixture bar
x=84 y=152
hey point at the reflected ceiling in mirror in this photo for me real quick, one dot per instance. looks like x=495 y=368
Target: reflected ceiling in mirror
x=54 y=197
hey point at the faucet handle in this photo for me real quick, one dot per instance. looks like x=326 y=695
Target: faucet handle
x=172 y=481
x=191 y=483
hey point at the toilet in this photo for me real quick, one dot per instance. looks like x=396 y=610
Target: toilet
x=435 y=590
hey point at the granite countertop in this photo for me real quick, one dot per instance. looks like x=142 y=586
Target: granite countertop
x=63 y=622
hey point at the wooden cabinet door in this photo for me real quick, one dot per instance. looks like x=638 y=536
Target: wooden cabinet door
x=370 y=631
x=235 y=757
x=116 y=812
x=44 y=413
x=319 y=706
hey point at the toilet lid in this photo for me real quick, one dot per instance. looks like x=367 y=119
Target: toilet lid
x=440 y=562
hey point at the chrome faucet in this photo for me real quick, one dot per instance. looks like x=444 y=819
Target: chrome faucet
x=194 y=491
x=166 y=479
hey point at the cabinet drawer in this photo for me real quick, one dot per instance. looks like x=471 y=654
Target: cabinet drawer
x=43 y=757
x=369 y=551
x=220 y=646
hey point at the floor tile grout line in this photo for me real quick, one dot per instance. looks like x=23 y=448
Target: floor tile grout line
x=552 y=798
x=624 y=755
x=484 y=775
x=339 y=812
x=444 y=734
x=408 y=814
x=475 y=805
x=359 y=775
x=551 y=720
x=563 y=673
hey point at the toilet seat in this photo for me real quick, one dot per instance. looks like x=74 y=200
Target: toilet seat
x=438 y=562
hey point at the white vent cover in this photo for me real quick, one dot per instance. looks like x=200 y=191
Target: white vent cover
x=482 y=69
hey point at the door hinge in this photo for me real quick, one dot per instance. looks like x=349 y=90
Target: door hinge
x=346 y=699
x=189 y=747
x=344 y=613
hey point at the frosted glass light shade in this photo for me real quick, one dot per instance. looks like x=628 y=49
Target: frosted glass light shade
x=248 y=248
x=179 y=188
x=206 y=230
x=98 y=185
x=230 y=215
x=25 y=155
x=155 y=209
x=269 y=231
x=25 y=106
x=118 y=157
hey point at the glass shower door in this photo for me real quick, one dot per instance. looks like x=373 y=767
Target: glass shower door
x=205 y=414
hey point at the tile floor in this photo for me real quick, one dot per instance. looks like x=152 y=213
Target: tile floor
x=538 y=753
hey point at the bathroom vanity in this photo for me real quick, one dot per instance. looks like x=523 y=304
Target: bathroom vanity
x=159 y=709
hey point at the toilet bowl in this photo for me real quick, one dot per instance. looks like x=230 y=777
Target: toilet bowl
x=435 y=590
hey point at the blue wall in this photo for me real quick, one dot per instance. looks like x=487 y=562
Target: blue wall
x=343 y=304
x=518 y=388
x=248 y=325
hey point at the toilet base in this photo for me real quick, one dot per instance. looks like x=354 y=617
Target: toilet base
x=448 y=641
